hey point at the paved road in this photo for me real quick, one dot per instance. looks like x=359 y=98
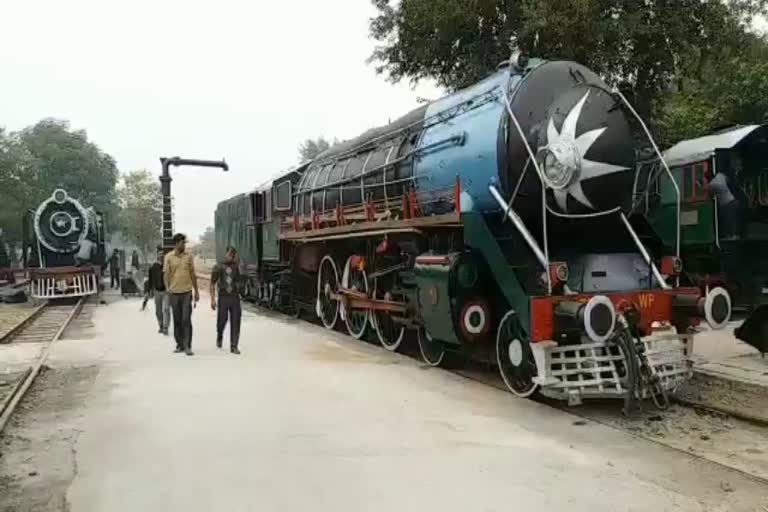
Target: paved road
x=305 y=419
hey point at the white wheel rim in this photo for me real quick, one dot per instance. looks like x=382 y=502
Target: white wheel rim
x=391 y=346
x=329 y=324
x=344 y=313
x=499 y=360
x=515 y=352
x=423 y=338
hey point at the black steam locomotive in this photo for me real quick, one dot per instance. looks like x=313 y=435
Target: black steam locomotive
x=64 y=247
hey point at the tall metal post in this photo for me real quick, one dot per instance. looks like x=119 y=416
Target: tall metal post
x=165 y=190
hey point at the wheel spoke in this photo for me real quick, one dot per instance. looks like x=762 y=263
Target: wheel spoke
x=514 y=357
x=356 y=319
x=327 y=282
x=432 y=351
x=389 y=332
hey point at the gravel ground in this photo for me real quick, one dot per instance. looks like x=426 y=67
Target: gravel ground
x=37 y=458
x=12 y=314
x=37 y=447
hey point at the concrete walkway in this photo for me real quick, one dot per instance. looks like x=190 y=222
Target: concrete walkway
x=306 y=419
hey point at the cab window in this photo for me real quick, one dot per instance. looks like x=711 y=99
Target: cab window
x=692 y=181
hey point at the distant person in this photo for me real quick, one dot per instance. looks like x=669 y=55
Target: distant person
x=225 y=278
x=114 y=270
x=157 y=289
x=135 y=261
x=180 y=281
x=731 y=206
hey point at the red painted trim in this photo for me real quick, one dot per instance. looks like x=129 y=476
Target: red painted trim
x=653 y=305
x=668 y=265
x=457 y=195
x=370 y=210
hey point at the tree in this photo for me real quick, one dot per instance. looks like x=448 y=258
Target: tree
x=310 y=148
x=730 y=88
x=141 y=203
x=16 y=191
x=207 y=247
x=65 y=158
x=640 y=46
x=39 y=159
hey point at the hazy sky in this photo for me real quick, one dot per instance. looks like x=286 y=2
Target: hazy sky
x=243 y=80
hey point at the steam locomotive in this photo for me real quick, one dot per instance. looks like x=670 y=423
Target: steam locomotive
x=64 y=248
x=498 y=223
x=721 y=181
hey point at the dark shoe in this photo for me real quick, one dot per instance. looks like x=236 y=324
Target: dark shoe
x=178 y=350
x=160 y=330
x=234 y=350
x=189 y=352
x=165 y=332
x=218 y=343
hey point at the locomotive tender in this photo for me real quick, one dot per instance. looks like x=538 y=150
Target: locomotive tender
x=67 y=250
x=497 y=223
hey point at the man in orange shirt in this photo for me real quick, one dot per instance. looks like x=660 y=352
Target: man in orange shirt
x=180 y=281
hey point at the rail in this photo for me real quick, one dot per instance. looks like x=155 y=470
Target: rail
x=38 y=329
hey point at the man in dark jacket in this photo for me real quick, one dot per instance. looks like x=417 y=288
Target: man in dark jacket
x=157 y=289
x=225 y=278
x=114 y=270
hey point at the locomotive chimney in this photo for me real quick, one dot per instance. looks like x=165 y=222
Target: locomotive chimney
x=165 y=190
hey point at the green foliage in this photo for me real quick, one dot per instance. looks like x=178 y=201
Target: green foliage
x=310 y=148
x=731 y=88
x=141 y=202
x=207 y=247
x=16 y=194
x=641 y=47
x=49 y=155
x=67 y=159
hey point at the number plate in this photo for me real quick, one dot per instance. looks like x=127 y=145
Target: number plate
x=765 y=291
x=689 y=218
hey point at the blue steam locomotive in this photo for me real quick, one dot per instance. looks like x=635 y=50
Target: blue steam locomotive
x=498 y=223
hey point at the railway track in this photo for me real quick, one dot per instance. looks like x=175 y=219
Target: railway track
x=45 y=325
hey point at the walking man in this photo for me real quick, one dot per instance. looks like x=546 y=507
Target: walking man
x=157 y=288
x=114 y=270
x=180 y=281
x=225 y=278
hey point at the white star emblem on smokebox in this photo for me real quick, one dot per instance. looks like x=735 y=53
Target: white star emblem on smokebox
x=570 y=149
